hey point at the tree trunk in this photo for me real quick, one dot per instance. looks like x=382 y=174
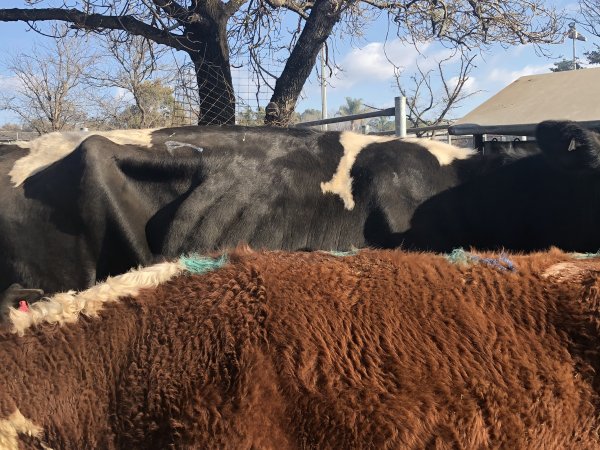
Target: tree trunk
x=323 y=17
x=213 y=74
x=204 y=39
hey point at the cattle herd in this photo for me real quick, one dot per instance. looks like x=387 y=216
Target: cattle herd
x=351 y=325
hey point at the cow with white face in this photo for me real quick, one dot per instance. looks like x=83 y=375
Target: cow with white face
x=78 y=207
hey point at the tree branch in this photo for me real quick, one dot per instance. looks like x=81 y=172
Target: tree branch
x=181 y=15
x=173 y=9
x=232 y=6
x=94 y=22
x=301 y=10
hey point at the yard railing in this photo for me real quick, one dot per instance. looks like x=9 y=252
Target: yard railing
x=8 y=136
x=399 y=113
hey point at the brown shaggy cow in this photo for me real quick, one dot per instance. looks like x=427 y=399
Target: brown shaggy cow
x=382 y=349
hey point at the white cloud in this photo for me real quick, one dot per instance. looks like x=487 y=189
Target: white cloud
x=506 y=76
x=367 y=73
x=375 y=62
x=372 y=62
x=9 y=83
x=470 y=86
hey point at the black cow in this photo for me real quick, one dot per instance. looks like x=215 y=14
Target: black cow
x=530 y=204
x=78 y=208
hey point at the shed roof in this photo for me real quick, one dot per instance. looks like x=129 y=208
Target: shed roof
x=516 y=109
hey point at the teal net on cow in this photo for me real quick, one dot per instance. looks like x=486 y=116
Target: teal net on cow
x=462 y=257
x=202 y=264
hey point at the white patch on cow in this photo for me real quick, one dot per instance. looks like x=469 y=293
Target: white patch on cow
x=51 y=147
x=16 y=424
x=67 y=306
x=445 y=153
x=341 y=182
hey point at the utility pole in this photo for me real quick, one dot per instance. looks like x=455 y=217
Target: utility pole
x=323 y=89
x=574 y=34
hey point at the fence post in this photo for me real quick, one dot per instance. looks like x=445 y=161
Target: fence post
x=478 y=140
x=400 y=116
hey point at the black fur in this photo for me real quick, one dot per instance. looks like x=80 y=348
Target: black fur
x=105 y=208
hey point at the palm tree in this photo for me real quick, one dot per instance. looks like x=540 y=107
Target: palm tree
x=352 y=106
x=382 y=124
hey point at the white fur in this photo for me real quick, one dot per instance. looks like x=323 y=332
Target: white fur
x=445 y=153
x=12 y=426
x=51 y=147
x=341 y=182
x=66 y=307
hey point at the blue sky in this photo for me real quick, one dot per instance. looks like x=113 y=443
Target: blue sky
x=366 y=73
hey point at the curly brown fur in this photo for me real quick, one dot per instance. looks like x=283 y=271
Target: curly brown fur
x=307 y=350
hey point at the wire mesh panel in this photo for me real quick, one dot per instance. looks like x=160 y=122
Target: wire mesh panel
x=187 y=99
x=190 y=105
x=252 y=92
x=254 y=88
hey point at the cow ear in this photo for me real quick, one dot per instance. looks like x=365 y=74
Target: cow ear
x=572 y=145
x=568 y=145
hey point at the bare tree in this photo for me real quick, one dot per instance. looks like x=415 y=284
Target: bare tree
x=589 y=16
x=133 y=68
x=50 y=84
x=432 y=94
x=203 y=29
x=121 y=111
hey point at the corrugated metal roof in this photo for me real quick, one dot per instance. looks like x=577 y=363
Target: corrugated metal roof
x=516 y=109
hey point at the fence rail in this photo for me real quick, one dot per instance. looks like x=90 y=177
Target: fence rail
x=368 y=115
x=398 y=111
x=419 y=129
x=7 y=136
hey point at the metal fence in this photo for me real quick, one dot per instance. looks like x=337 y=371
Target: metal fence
x=469 y=136
x=7 y=136
x=399 y=114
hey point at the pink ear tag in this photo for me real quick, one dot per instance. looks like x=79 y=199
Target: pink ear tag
x=23 y=306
